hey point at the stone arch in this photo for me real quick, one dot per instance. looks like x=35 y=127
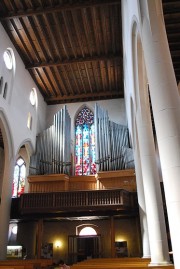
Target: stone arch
x=6 y=183
x=25 y=151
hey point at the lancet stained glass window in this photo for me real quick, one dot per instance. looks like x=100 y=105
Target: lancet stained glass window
x=19 y=178
x=85 y=143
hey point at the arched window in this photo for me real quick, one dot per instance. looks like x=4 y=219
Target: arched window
x=1 y=84
x=88 y=231
x=29 y=121
x=85 y=143
x=19 y=178
x=5 y=90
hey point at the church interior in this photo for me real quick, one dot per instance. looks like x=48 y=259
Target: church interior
x=89 y=133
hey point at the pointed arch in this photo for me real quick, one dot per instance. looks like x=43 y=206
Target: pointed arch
x=6 y=134
x=6 y=183
x=25 y=151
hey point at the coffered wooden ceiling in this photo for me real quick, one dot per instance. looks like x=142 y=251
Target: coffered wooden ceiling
x=73 y=48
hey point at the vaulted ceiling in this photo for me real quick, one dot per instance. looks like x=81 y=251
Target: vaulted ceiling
x=73 y=48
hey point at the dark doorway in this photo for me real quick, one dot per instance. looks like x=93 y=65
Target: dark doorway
x=84 y=247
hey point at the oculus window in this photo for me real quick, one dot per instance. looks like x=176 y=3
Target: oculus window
x=8 y=59
x=32 y=97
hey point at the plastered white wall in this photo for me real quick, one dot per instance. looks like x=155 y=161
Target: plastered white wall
x=130 y=15
x=116 y=111
x=17 y=106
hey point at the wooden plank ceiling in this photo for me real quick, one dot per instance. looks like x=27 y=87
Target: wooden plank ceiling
x=171 y=9
x=73 y=48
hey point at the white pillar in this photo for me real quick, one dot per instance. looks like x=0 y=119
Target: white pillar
x=166 y=109
x=152 y=191
x=141 y=199
x=142 y=213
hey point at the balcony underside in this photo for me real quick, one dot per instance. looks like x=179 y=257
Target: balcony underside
x=75 y=204
x=111 y=193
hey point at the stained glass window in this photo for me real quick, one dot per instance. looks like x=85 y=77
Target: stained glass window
x=19 y=178
x=85 y=143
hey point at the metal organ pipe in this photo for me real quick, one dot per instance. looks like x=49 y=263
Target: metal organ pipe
x=53 y=146
x=111 y=142
x=53 y=151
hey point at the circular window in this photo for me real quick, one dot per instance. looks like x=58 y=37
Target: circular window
x=7 y=56
x=32 y=97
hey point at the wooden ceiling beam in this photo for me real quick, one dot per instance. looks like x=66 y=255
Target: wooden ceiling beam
x=113 y=29
x=63 y=87
x=31 y=43
x=95 y=26
x=78 y=60
x=103 y=81
x=95 y=77
x=23 y=43
x=49 y=81
x=104 y=76
x=75 y=80
x=116 y=75
x=87 y=33
x=80 y=75
x=64 y=7
x=108 y=64
x=46 y=43
x=13 y=6
x=77 y=29
x=44 y=88
x=70 y=87
x=56 y=81
x=61 y=36
x=84 y=96
x=36 y=33
x=53 y=36
x=70 y=36
x=170 y=3
x=103 y=29
x=89 y=80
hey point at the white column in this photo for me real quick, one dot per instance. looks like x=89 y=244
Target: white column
x=141 y=198
x=166 y=109
x=152 y=191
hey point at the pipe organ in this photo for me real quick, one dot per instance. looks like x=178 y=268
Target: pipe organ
x=112 y=143
x=53 y=149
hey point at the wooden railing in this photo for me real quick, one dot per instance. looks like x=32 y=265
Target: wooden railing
x=72 y=200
